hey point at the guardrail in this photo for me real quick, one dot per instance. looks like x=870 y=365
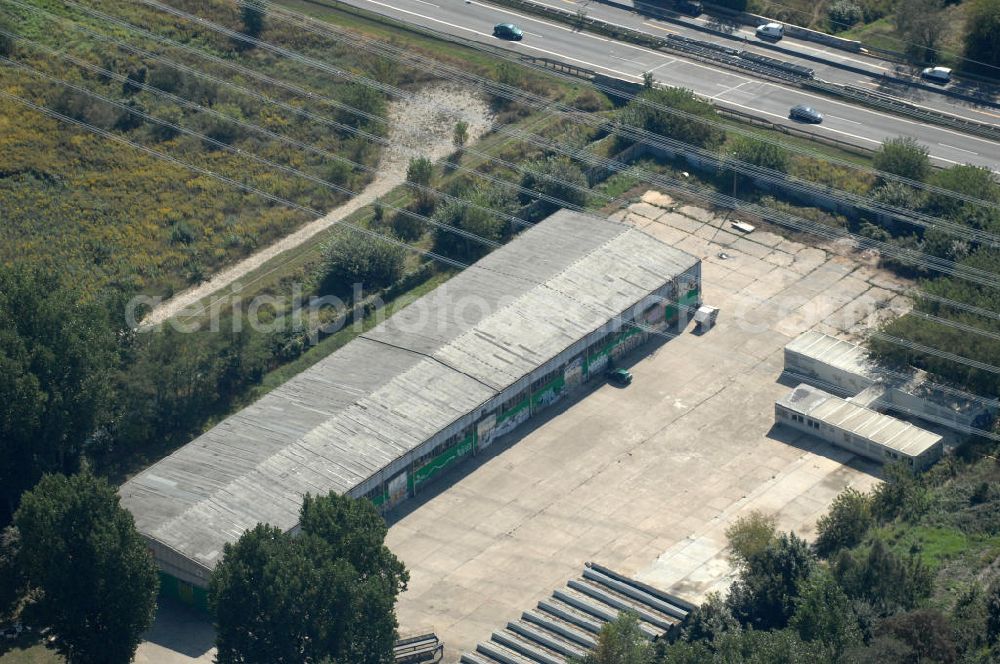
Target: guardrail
x=732 y=58
x=761 y=65
x=901 y=107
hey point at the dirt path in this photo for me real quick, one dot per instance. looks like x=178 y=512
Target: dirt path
x=420 y=126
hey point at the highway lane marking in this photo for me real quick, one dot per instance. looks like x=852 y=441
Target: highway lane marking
x=952 y=147
x=720 y=71
x=844 y=119
x=895 y=118
x=668 y=62
x=830 y=129
x=735 y=87
x=653 y=25
x=424 y=2
x=637 y=78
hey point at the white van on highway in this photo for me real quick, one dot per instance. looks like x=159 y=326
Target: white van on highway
x=772 y=31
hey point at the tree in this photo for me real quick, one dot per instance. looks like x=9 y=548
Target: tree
x=11 y=579
x=461 y=134
x=824 y=613
x=903 y=156
x=420 y=172
x=993 y=613
x=897 y=194
x=621 y=641
x=90 y=576
x=982 y=38
x=555 y=177
x=407 y=226
x=845 y=523
x=705 y=623
x=925 y=633
x=353 y=258
x=899 y=494
x=648 y=82
x=763 y=595
x=759 y=153
x=921 y=27
x=58 y=357
x=473 y=217
x=671 y=112
x=252 y=14
x=750 y=535
x=325 y=595
x=879 y=576
x=976 y=181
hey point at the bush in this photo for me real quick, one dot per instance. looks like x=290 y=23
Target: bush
x=845 y=524
x=903 y=156
x=421 y=172
x=763 y=596
x=897 y=194
x=558 y=178
x=477 y=220
x=887 y=581
x=842 y=14
x=976 y=181
x=759 y=153
x=356 y=258
x=749 y=535
x=590 y=101
x=667 y=112
x=407 y=226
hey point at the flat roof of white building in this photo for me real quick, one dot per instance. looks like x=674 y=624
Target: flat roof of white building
x=833 y=351
x=890 y=432
x=340 y=422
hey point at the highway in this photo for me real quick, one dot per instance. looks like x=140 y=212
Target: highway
x=876 y=68
x=474 y=20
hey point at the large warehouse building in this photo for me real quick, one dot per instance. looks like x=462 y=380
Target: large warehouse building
x=437 y=381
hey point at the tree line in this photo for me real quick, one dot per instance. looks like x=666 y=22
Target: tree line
x=73 y=566
x=850 y=597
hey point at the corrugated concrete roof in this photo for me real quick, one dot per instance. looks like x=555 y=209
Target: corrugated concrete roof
x=888 y=431
x=833 y=351
x=339 y=422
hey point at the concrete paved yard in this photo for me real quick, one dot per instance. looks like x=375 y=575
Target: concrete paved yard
x=645 y=479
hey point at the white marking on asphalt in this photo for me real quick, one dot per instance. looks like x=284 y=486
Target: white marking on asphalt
x=424 y=2
x=637 y=78
x=844 y=119
x=735 y=87
x=952 y=147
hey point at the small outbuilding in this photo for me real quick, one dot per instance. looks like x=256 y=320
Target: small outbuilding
x=865 y=432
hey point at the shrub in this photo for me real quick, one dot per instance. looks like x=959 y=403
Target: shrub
x=903 y=156
x=845 y=524
x=407 y=226
x=759 y=153
x=356 y=258
x=421 y=172
x=590 y=101
x=558 y=178
x=843 y=14
x=674 y=113
x=460 y=134
x=474 y=219
x=750 y=535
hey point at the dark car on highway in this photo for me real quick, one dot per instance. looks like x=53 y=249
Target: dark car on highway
x=805 y=114
x=508 y=31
